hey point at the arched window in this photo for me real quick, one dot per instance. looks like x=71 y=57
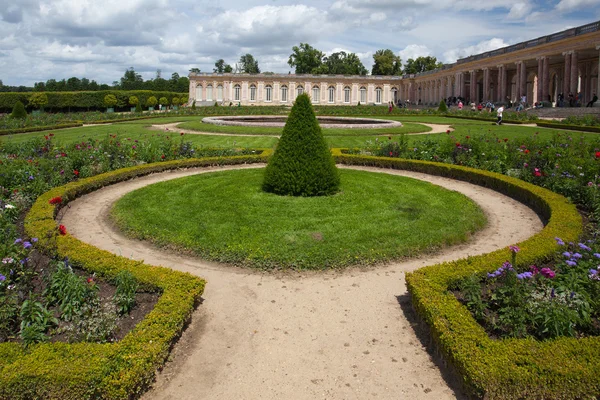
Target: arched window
x=236 y=92
x=363 y=95
x=394 y=95
x=269 y=90
x=284 y=93
x=331 y=91
x=347 y=94
x=220 y=93
x=316 y=94
x=252 y=92
x=209 y=94
x=299 y=91
x=378 y=96
x=199 y=92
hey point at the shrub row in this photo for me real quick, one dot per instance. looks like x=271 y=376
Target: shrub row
x=564 y=368
x=487 y=119
x=103 y=371
x=79 y=101
x=595 y=129
x=39 y=128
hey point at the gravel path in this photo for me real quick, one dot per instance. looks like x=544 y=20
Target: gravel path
x=301 y=335
x=435 y=128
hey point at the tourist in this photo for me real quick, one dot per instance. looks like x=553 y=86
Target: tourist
x=390 y=107
x=460 y=105
x=499 y=113
x=594 y=99
x=479 y=107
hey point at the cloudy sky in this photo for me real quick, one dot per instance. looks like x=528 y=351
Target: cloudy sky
x=100 y=39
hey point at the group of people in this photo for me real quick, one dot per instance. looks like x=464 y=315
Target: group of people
x=575 y=100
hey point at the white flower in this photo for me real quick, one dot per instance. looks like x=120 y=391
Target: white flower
x=9 y=206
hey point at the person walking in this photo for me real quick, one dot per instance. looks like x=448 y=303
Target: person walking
x=594 y=99
x=499 y=113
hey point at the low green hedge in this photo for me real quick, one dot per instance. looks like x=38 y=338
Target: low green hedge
x=39 y=128
x=582 y=128
x=104 y=371
x=564 y=368
x=488 y=119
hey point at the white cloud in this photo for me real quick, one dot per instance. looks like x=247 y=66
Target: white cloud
x=413 y=51
x=519 y=10
x=573 y=5
x=452 y=55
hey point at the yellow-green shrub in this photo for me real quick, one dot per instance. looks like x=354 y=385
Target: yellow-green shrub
x=108 y=371
x=564 y=368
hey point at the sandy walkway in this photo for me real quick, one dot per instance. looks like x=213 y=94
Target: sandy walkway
x=435 y=128
x=296 y=335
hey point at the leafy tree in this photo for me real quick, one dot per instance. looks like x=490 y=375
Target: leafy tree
x=184 y=99
x=302 y=164
x=151 y=102
x=342 y=63
x=194 y=70
x=164 y=101
x=38 y=100
x=39 y=87
x=221 y=67
x=421 y=64
x=194 y=105
x=110 y=100
x=248 y=64
x=386 y=63
x=175 y=101
x=18 y=111
x=305 y=58
x=131 y=80
x=133 y=101
x=138 y=107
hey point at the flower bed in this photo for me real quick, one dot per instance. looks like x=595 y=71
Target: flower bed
x=509 y=368
x=39 y=128
x=571 y=127
x=86 y=370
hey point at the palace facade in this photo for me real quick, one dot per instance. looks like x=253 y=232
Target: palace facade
x=540 y=69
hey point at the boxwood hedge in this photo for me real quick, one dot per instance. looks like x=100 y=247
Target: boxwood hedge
x=119 y=370
x=563 y=368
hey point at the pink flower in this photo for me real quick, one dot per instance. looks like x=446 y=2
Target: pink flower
x=548 y=273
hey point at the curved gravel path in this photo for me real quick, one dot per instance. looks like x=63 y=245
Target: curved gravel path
x=435 y=128
x=301 y=335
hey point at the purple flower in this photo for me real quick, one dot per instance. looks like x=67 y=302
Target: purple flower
x=27 y=245
x=31 y=177
x=18 y=241
x=597 y=255
x=567 y=254
x=2 y=278
x=34 y=240
x=571 y=263
x=552 y=294
x=559 y=241
x=525 y=275
x=583 y=246
x=577 y=255
x=514 y=249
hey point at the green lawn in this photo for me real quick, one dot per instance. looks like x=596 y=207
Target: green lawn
x=225 y=216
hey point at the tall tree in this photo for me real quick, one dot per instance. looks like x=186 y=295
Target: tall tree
x=131 y=80
x=227 y=69
x=221 y=67
x=386 y=63
x=341 y=63
x=305 y=58
x=248 y=64
x=421 y=64
x=194 y=70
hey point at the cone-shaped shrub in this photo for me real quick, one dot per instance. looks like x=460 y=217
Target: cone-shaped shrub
x=443 y=107
x=302 y=164
x=18 y=111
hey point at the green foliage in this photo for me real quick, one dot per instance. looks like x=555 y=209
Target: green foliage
x=302 y=164
x=164 y=101
x=306 y=59
x=248 y=64
x=134 y=101
x=35 y=321
x=18 y=111
x=175 y=101
x=221 y=67
x=385 y=62
x=184 y=100
x=127 y=287
x=194 y=105
x=110 y=100
x=151 y=101
x=38 y=100
x=443 y=107
x=69 y=291
x=138 y=107
x=421 y=64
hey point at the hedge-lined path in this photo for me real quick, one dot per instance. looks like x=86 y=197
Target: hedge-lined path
x=300 y=335
x=435 y=128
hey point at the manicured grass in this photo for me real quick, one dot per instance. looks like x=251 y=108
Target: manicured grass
x=225 y=216
x=254 y=130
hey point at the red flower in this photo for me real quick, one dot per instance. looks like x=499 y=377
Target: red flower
x=457 y=144
x=55 y=200
x=162 y=157
x=391 y=153
x=505 y=139
x=598 y=154
x=447 y=130
x=526 y=151
x=46 y=137
x=468 y=137
x=76 y=172
x=52 y=134
x=90 y=280
x=537 y=172
x=182 y=133
x=62 y=230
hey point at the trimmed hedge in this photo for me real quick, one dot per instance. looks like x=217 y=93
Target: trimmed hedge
x=595 y=129
x=39 y=128
x=81 y=101
x=564 y=368
x=504 y=121
x=104 y=371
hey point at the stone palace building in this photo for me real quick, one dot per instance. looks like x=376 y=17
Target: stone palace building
x=540 y=69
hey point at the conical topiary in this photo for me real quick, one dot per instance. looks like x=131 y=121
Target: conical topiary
x=18 y=111
x=302 y=164
x=443 y=107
